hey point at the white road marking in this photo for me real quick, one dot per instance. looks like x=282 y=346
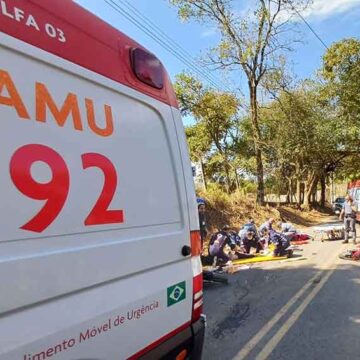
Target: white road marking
x=274 y=341
x=250 y=345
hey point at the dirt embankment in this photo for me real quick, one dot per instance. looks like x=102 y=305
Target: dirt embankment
x=236 y=209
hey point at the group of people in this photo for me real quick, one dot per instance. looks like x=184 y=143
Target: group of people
x=227 y=244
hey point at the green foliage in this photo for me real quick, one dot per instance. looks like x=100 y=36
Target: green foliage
x=341 y=59
x=307 y=131
x=199 y=141
x=216 y=195
x=303 y=139
x=188 y=91
x=247 y=187
x=349 y=169
x=213 y=139
x=341 y=70
x=253 y=44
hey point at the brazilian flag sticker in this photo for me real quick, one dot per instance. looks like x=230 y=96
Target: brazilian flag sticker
x=176 y=293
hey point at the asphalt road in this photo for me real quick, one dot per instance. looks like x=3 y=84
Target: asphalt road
x=307 y=309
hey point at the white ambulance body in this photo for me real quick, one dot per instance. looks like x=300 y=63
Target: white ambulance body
x=99 y=244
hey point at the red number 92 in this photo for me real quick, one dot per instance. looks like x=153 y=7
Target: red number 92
x=55 y=191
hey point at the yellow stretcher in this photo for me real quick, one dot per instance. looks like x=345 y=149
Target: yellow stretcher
x=259 y=258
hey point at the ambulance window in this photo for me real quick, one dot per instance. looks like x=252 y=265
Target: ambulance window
x=357 y=195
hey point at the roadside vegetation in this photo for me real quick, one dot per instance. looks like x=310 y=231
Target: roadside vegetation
x=281 y=135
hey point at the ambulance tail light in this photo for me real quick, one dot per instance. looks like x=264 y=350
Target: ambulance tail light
x=147 y=68
x=195 y=243
x=182 y=355
x=197 y=297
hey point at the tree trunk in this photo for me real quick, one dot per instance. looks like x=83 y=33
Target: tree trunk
x=310 y=183
x=307 y=196
x=298 y=183
x=288 y=197
x=323 y=190
x=289 y=191
x=298 y=192
x=302 y=193
x=203 y=174
x=315 y=190
x=260 y=198
x=227 y=175
x=237 y=180
x=313 y=197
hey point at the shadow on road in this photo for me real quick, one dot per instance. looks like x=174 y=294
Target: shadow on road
x=237 y=311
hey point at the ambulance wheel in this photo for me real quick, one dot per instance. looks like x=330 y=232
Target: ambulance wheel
x=290 y=253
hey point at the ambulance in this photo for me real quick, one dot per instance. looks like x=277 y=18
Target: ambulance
x=353 y=189
x=99 y=241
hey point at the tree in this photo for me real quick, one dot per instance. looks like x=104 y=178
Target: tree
x=199 y=143
x=189 y=91
x=310 y=141
x=341 y=70
x=216 y=118
x=252 y=44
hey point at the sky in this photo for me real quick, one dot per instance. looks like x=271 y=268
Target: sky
x=333 y=20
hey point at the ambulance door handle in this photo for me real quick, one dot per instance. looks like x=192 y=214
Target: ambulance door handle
x=186 y=250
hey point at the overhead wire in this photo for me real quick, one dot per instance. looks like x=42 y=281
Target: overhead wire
x=171 y=41
x=170 y=45
x=155 y=37
x=308 y=25
x=150 y=32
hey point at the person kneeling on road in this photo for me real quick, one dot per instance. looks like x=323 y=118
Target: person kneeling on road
x=280 y=242
x=235 y=241
x=249 y=240
x=218 y=243
x=250 y=225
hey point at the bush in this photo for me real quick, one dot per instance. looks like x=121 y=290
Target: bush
x=248 y=187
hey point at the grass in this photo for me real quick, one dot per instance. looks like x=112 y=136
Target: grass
x=235 y=210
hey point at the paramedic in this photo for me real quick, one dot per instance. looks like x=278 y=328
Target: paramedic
x=267 y=225
x=280 y=242
x=220 y=240
x=288 y=230
x=202 y=220
x=249 y=240
x=250 y=225
x=348 y=213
